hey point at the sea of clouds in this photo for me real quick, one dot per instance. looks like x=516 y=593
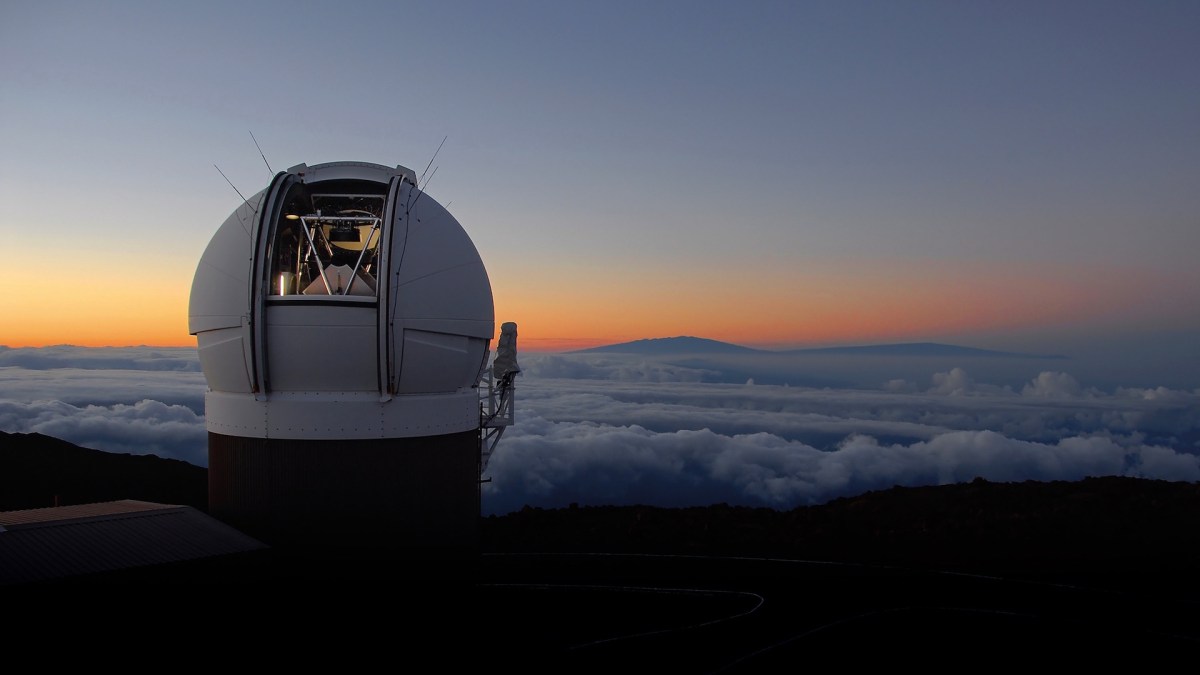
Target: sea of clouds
x=614 y=429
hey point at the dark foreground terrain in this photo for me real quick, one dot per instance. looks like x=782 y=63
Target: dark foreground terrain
x=1099 y=571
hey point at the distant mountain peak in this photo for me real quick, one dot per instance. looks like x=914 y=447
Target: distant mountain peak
x=691 y=345
x=681 y=344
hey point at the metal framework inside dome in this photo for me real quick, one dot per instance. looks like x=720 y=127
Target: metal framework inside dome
x=332 y=250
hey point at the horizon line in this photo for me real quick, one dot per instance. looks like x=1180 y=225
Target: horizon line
x=569 y=345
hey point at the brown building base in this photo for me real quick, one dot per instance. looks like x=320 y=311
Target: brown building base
x=416 y=496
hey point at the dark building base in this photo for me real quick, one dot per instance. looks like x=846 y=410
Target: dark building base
x=352 y=498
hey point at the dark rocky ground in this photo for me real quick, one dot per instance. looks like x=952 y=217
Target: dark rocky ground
x=1099 y=571
x=38 y=471
x=1110 y=531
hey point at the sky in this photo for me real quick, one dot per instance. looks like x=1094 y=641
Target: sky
x=597 y=430
x=1017 y=175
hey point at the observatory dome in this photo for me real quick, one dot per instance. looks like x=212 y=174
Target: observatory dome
x=341 y=302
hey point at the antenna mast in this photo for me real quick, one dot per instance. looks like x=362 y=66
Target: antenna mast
x=435 y=154
x=421 y=187
x=239 y=192
x=260 y=153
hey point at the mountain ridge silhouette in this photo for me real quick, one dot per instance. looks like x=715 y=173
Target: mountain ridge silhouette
x=691 y=345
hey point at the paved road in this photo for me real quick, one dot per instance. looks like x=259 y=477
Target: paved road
x=608 y=613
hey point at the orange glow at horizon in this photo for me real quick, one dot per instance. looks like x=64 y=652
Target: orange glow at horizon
x=565 y=308
x=822 y=306
x=146 y=306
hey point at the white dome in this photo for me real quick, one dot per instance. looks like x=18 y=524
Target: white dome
x=341 y=302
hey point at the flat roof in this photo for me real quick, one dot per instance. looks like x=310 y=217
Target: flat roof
x=66 y=541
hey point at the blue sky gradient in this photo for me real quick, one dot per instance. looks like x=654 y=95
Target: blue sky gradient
x=844 y=153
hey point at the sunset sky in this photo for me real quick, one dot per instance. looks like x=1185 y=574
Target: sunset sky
x=1018 y=175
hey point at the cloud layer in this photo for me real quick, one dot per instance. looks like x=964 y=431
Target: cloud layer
x=556 y=463
x=620 y=430
x=177 y=359
x=144 y=428
x=141 y=400
x=614 y=438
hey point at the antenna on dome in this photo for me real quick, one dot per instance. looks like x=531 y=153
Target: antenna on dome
x=239 y=193
x=435 y=154
x=429 y=179
x=260 y=153
x=421 y=186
